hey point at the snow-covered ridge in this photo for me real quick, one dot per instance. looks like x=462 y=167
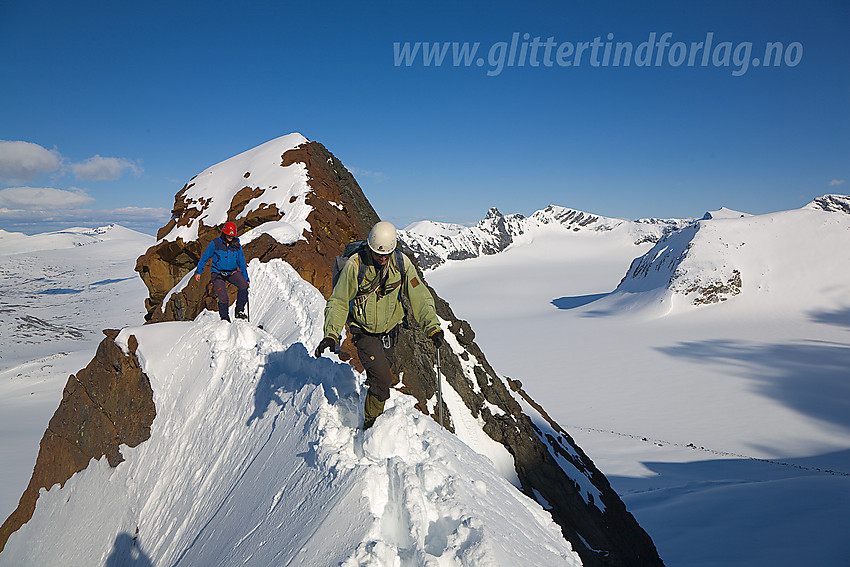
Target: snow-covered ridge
x=211 y=192
x=256 y=458
x=725 y=422
x=433 y=243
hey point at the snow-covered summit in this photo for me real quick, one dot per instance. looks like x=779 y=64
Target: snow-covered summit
x=724 y=213
x=433 y=243
x=257 y=176
x=434 y=228
x=204 y=520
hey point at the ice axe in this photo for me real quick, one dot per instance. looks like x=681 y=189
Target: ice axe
x=439 y=387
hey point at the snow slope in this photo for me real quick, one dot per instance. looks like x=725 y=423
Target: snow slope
x=256 y=458
x=724 y=426
x=60 y=289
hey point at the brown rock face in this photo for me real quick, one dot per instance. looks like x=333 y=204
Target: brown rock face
x=108 y=403
x=612 y=537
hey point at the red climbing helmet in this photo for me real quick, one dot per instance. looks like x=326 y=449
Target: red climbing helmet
x=229 y=229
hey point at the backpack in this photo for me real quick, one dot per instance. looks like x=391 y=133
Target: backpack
x=360 y=247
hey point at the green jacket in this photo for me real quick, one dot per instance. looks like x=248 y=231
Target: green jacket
x=381 y=310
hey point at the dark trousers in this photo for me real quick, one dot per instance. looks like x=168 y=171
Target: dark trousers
x=377 y=361
x=220 y=282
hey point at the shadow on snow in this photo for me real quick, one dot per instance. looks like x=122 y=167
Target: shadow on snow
x=745 y=511
x=839 y=318
x=292 y=369
x=577 y=300
x=809 y=376
x=126 y=552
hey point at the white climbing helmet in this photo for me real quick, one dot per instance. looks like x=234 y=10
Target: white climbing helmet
x=382 y=238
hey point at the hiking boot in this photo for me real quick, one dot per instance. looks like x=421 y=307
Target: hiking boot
x=371 y=410
x=241 y=315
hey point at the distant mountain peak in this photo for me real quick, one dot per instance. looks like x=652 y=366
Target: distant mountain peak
x=724 y=213
x=433 y=246
x=831 y=203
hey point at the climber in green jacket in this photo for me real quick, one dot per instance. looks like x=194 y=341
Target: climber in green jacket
x=372 y=308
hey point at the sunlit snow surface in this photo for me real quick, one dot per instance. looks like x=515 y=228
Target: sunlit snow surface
x=256 y=457
x=724 y=427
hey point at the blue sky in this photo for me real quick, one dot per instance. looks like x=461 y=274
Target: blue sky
x=108 y=108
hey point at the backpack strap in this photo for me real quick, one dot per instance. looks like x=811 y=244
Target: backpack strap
x=398 y=257
x=361 y=271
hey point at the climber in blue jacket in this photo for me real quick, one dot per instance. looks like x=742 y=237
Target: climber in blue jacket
x=228 y=266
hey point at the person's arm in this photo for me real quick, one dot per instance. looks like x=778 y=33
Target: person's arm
x=421 y=300
x=240 y=259
x=336 y=311
x=202 y=263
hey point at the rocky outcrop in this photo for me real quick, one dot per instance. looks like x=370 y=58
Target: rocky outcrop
x=550 y=467
x=831 y=204
x=166 y=263
x=107 y=404
x=715 y=292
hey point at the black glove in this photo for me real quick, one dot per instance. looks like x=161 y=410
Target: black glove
x=437 y=339
x=325 y=343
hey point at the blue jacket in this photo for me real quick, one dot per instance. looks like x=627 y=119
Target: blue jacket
x=225 y=259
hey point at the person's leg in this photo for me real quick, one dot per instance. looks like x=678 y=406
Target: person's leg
x=376 y=360
x=237 y=279
x=220 y=287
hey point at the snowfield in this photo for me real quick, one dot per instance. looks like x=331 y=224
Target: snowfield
x=60 y=290
x=725 y=427
x=256 y=457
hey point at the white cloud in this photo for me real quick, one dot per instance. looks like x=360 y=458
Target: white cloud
x=42 y=198
x=30 y=220
x=100 y=168
x=22 y=161
x=139 y=213
x=376 y=175
x=836 y=182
